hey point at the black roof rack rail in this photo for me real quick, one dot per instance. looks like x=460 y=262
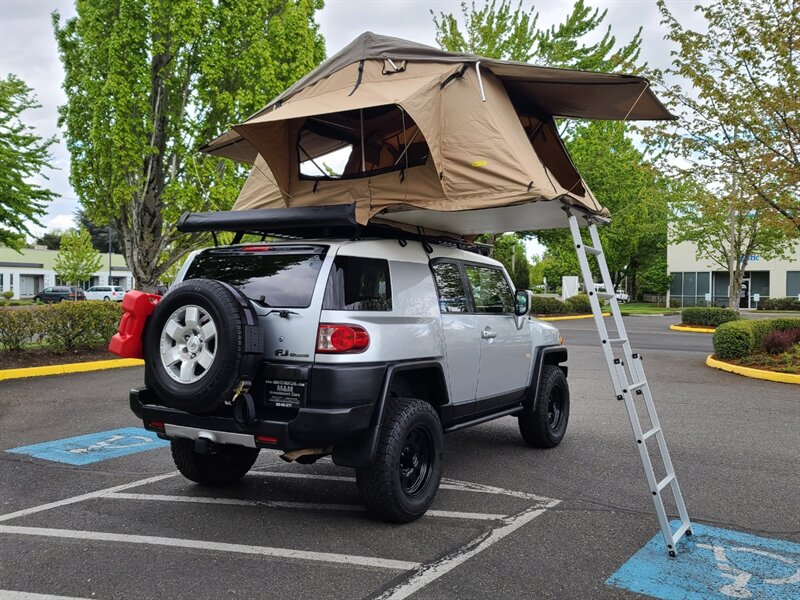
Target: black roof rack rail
x=306 y=222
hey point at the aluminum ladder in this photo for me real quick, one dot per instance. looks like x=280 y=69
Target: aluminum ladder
x=627 y=389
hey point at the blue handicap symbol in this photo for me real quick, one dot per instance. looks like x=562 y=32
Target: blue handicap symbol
x=714 y=564
x=94 y=447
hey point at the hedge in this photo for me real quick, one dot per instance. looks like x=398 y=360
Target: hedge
x=738 y=339
x=578 y=304
x=59 y=327
x=708 y=317
x=790 y=303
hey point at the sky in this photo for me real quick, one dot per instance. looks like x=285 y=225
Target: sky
x=28 y=49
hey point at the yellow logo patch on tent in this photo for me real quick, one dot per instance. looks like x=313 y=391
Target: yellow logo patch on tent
x=480 y=163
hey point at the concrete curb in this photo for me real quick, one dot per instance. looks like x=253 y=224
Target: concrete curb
x=692 y=329
x=570 y=318
x=751 y=372
x=97 y=365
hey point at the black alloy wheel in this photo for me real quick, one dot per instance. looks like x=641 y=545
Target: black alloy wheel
x=546 y=425
x=416 y=461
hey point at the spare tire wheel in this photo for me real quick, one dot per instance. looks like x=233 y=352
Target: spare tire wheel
x=202 y=340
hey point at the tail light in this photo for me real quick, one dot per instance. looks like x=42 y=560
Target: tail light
x=333 y=338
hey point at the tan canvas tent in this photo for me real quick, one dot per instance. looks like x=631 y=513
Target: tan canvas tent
x=417 y=136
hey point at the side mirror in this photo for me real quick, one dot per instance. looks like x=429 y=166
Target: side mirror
x=522 y=302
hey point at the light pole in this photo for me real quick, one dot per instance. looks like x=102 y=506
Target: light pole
x=109 y=254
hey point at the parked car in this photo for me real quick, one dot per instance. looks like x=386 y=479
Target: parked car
x=60 y=293
x=106 y=293
x=368 y=350
x=622 y=296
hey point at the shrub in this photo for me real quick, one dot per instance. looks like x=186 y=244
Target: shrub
x=790 y=303
x=737 y=339
x=543 y=305
x=780 y=341
x=674 y=303
x=69 y=325
x=709 y=317
x=16 y=328
x=578 y=304
x=8 y=294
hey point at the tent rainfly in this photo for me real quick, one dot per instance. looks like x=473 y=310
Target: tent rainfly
x=438 y=141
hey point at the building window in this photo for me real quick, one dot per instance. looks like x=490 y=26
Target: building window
x=690 y=288
x=793 y=283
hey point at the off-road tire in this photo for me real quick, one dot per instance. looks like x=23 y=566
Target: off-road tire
x=538 y=427
x=226 y=465
x=208 y=394
x=383 y=489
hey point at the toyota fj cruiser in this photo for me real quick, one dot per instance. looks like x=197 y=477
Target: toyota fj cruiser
x=368 y=350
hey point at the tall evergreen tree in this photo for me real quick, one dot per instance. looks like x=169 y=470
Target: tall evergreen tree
x=147 y=82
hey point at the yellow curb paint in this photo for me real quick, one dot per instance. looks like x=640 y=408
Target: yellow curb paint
x=97 y=365
x=570 y=318
x=751 y=372
x=692 y=329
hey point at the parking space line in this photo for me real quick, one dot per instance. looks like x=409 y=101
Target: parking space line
x=428 y=573
x=329 y=557
x=99 y=493
x=446 y=484
x=13 y=595
x=292 y=505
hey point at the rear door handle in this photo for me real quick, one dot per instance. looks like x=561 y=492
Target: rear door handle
x=488 y=334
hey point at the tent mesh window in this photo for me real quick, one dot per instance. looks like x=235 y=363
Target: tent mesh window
x=360 y=143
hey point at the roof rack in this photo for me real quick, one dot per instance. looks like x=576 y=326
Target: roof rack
x=309 y=222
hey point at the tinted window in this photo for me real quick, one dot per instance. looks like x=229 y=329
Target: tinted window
x=450 y=286
x=490 y=290
x=358 y=284
x=280 y=276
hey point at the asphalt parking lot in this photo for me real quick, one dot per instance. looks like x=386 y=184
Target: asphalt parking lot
x=509 y=521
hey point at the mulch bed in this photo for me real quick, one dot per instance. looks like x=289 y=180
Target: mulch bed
x=41 y=357
x=788 y=362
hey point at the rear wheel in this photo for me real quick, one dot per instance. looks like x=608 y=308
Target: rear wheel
x=106 y=298
x=221 y=467
x=546 y=425
x=402 y=481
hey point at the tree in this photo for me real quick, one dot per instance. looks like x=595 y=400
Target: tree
x=23 y=155
x=147 y=82
x=739 y=100
x=728 y=231
x=100 y=234
x=510 y=251
x=77 y=260
x=510 y=33
x=51 y=239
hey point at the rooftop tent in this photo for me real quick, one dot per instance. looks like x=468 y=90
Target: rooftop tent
x=420 y=137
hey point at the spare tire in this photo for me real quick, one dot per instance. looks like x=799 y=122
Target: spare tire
x=201 y=341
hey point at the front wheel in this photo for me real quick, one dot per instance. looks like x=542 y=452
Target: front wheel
x=546 y=425
x=402 y=481
x=221 y=467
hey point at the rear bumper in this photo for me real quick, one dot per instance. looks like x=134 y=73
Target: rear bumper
x=310 y=427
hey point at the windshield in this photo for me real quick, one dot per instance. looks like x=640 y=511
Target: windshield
x=279 y=276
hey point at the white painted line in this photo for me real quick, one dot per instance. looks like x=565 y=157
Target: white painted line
x=293 y=505
x=446 y=484
x=12 y=595
x=98 y=494
x=430 y=572
x=345 y=559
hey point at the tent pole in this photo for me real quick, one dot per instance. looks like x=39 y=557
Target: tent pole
x=363 y=161
x=480 y=81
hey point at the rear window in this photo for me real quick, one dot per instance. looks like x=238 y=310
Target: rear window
x=281 y=276
x=358 y=284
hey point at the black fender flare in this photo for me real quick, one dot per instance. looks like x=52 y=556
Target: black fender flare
x=545 y=355
x=361 y=452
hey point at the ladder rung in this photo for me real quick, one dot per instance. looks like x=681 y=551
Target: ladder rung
x=665 y=482
x=651 y=433
x=605 y=295
x=617 y=340
x=681 y=530
x=638 y=385
x=594 y=251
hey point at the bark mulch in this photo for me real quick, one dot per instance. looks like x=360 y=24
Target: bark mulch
x=39 y=357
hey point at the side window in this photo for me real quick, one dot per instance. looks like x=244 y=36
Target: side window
x=452 y=298
x=490 y=290
x=358 y=284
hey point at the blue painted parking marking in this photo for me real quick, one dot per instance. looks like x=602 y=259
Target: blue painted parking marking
x=714 y=564
x=94 y=447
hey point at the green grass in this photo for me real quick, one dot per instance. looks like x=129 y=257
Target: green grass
x=646 y=308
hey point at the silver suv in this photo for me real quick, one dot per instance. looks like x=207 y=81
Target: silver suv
x=367 y=350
